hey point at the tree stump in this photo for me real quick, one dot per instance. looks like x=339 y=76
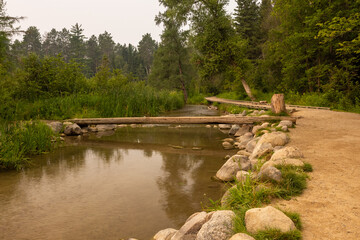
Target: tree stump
x=278 y=103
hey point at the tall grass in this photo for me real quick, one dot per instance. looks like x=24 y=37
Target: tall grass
x=20 y=141
x=131 y=100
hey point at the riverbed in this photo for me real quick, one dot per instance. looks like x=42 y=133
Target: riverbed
x=132 y=183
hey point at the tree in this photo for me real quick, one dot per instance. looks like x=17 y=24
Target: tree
x=171 y=64
x=93 y=54
x=49 y=46
x=147 y=47
x=32 y=41
x=7 y=22
x=247 y=24
x=63 y=43
x=77 y=43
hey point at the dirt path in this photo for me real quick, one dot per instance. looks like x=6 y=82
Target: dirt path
x=330 y=207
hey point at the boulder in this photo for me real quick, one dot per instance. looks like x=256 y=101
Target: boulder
x=242 y=175
x=262 y=112
x=224 y=126
x=261 y=149
x=105 y=127
x=287 y=123
x=243 y=130
x=165 y=234
x=241 y=236
x=274 y=138
x=243 y=152
x=270 y=173
x=244 y=113
x=261 y=219
x=227 y=146
x=251 y=145
x=226 y=196
x=191 y=227
x=255 y=129
x=287 y=152
x=72 y=130
x=236 y=163
x=55 y=126
x=285 y=161
x=219 y=226
x=229 y=140
x=284 y=128
x=234 y=129
x=265 y=125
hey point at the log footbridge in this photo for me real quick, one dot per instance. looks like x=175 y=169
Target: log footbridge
x=180 y=120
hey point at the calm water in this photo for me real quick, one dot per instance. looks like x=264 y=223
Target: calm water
x=130 y=184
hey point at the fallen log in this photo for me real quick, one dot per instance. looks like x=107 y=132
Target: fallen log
x=179 y=120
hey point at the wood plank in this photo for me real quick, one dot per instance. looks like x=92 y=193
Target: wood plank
x=179 y=120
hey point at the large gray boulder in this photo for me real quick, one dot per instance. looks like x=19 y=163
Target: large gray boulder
x=225 y=198
x=55 y=126
x=72 y=130
x=287 y=152
x=285 y=161
x=286 y=123
x=165 y=234
x=252 y=144
x=219 y=226
x=191 y=227
x=242 y=175
x=236 y=163
x=261 y=219
x=256 y=128
x=234 y=129
x=275 y=138
x=243 y=130
x=241 y=236
x=270 y=173
x=261 y=149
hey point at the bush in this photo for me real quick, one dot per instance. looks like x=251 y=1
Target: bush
x=20 y=141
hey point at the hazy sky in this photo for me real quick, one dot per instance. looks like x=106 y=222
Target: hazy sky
x=126 y=20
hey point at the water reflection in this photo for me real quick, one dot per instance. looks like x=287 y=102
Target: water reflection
x=130 y=184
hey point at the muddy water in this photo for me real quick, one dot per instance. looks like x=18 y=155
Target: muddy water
x=130 y=184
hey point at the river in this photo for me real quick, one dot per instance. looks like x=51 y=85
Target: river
x=129 y=184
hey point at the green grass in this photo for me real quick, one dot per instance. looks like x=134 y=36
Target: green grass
x=275 y=234
x=131 y=100
x=20 y=141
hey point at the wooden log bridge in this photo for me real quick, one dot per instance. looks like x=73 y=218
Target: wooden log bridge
x=179 y=120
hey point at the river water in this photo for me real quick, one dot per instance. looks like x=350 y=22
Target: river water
x=129 y=184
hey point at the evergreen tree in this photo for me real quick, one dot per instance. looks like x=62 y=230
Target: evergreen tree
x=32 y=41
x=147 y=47
x=77 y=43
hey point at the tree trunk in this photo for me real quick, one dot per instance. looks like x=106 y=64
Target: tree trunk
x=183 y=87
x=247 y=89
x=278 y=104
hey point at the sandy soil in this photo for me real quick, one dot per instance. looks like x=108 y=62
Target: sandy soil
x=330 y=207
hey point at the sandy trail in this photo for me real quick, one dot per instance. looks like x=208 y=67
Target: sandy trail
x=330 y=207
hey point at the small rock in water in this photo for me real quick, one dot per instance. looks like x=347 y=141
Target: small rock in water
x=227 y=157
x=227 y=146
x=176 y=147
x=208 y=126
x=196 y=148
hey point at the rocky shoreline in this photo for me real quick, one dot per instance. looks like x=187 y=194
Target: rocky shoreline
x=261 y=150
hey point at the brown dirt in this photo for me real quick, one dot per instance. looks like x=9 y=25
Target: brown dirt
x=330 y=206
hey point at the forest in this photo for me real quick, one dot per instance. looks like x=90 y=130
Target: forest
x=309 y=50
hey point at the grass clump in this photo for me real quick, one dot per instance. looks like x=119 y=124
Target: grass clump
x=275 y=234
x=21 y=140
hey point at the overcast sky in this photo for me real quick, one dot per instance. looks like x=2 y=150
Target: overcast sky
x=126 y=20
